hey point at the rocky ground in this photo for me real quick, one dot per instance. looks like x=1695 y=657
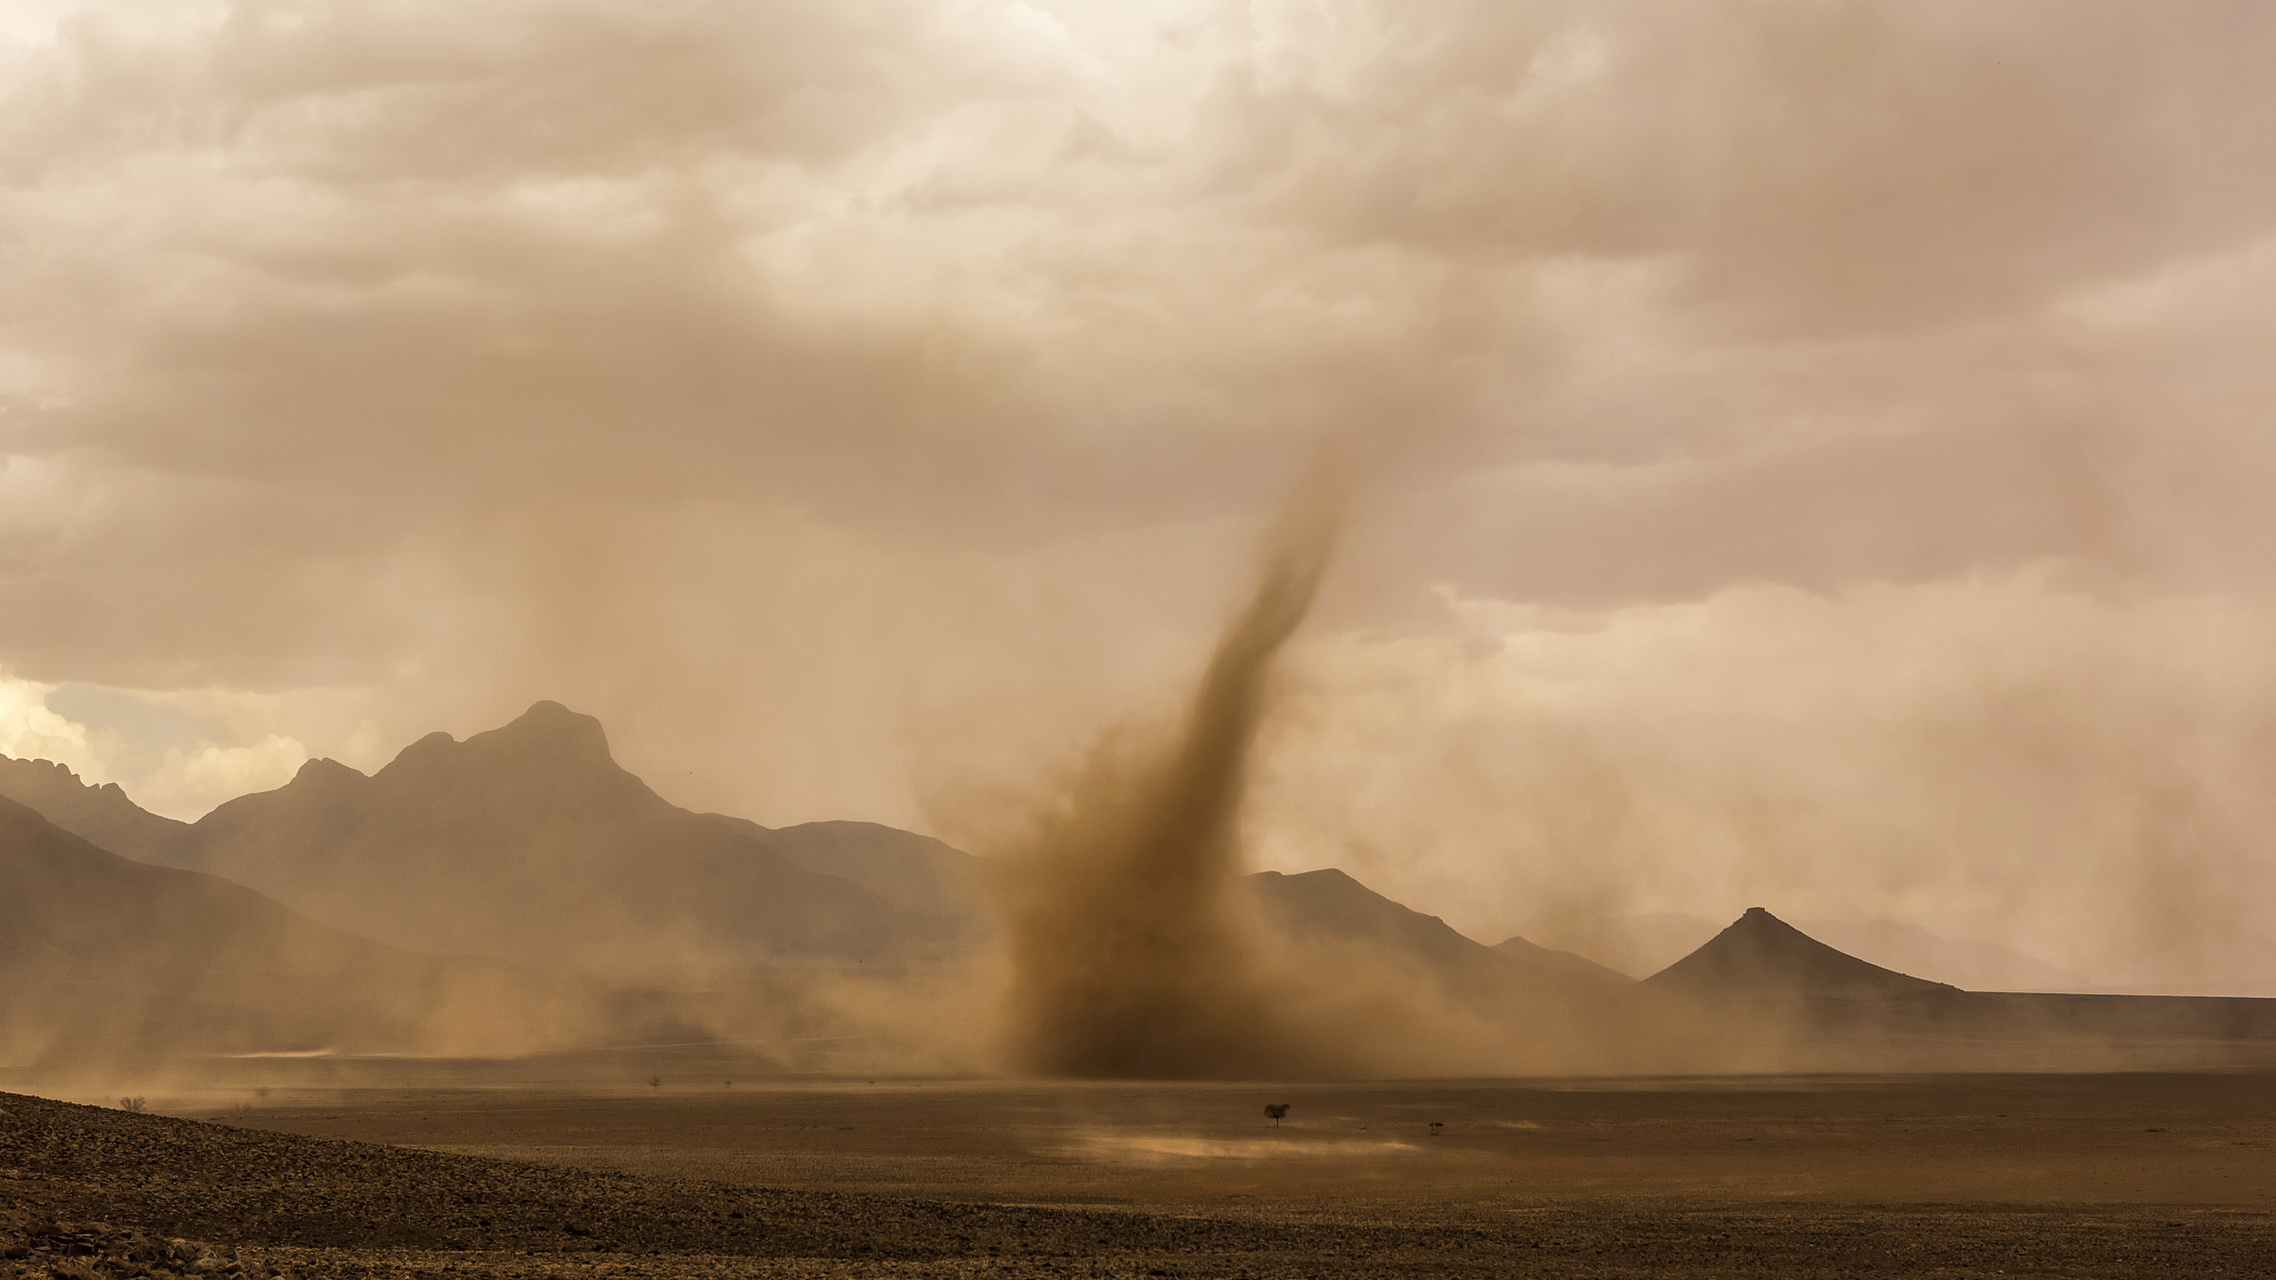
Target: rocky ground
x=88 y=1191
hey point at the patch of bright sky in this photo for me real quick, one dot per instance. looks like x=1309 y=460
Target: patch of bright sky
x=146 y=729
x=169 y=760
x=30 y=730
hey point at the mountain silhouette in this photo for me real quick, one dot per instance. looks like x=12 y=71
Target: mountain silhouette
x=500 y=894
x=1562 y=961
x=530 y=843
x=104 y=957
x=1330 y=905
x=1761 y=956
x=1648 y=942
x=101 y=815
x=912 y=871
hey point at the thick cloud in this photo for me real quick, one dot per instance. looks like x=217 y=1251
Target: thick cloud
x=852 y=402
x=990 y=266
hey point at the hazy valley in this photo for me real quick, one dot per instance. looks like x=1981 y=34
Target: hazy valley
x=520 y=894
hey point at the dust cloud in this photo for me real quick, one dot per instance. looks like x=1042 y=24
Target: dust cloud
x=1131 y=954
x=1831 y=440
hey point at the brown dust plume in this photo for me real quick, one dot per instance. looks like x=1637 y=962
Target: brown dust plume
x=1130 y=955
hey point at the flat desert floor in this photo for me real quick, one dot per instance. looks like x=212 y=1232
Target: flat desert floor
x=1372 y=1149
x=2047 y=1175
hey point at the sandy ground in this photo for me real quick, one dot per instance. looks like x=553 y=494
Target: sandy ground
x=2146 y=1139
x=2088 y=1175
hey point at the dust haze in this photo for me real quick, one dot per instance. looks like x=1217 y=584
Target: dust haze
x=715 y=630
x=1815 y=457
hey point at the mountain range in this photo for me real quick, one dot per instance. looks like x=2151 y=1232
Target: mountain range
x=548 y=871
x=520 y=889
x=101 y=815
x=103 y=954
x=1330 y=907
x=605 y=876
x=529 y=843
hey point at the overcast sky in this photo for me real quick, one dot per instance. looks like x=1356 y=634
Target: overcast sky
x=1809 y=454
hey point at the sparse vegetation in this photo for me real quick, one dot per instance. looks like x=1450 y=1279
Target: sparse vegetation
x=134 y=1104
x=1274 y=1111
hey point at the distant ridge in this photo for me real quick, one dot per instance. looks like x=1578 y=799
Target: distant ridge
x=101 y=815
x=1760 y=955
x=1329 y=904
x=529 y=842
x=910 y=870
x=102 y=956
x=1564 y=961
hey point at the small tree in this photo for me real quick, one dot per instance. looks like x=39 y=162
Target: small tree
x=134 y=1104
x=655 y=1082
x=1274 y=1111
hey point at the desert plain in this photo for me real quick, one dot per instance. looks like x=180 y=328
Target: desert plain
x=1947 y=1175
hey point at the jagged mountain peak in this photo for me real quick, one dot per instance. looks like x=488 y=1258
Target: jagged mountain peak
x=325 y=771
x=548 y=729
x=548 y=747
x=530 y=842
x=59 y=771
x=545 y=711
x=551 y=724
x=102 y=814
x=1325 y=880
x=1333 y=903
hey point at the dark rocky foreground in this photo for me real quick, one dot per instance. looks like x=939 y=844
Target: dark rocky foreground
x=87 y=1191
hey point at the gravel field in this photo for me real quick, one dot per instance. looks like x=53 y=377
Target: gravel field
x=91 y=1191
